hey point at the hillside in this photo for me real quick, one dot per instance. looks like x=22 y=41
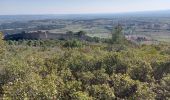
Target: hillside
x=76 y=70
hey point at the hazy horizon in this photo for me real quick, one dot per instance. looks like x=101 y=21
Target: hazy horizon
x=32 y=7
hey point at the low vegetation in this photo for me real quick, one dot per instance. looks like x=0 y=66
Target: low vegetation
x=81 y=70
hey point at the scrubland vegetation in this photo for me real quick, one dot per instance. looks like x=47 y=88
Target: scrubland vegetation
x=81 y=70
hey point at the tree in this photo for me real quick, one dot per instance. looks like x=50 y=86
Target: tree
x=2 y=45
x=102 y=92
x=70 y=33
x=72 y=44
x=2 y=64
x=142 y=72
x=117 y=35
x=2 y=53
x=79 y=95
x=81 y=33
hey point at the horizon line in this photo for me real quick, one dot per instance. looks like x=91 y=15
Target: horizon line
x=92 y=13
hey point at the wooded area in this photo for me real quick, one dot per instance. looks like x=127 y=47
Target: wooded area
x=81 y=70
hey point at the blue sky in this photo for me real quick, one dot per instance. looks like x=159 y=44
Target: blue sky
x=12 y=7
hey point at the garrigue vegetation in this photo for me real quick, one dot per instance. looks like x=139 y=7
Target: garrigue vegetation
x=80 y=70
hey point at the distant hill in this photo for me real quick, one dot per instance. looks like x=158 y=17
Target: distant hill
x=12 y=18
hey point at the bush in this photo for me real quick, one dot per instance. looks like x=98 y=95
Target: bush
x=102 y=92
x=79 y=71
x=72 y=44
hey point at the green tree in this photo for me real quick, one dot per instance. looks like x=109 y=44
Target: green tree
x=142 y=72
x=79 y=95
x=72 y=44
x=2 y=45
x=117 y=34
x=81 y=33
x=163 y=90
x=102 y=92
x=70 y=33
x=2 y=62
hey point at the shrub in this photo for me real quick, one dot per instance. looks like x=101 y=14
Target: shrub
x=72 y=44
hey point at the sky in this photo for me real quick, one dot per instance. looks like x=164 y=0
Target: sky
x=15 y=7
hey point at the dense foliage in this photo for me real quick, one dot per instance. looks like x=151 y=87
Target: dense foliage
x=74 y=70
